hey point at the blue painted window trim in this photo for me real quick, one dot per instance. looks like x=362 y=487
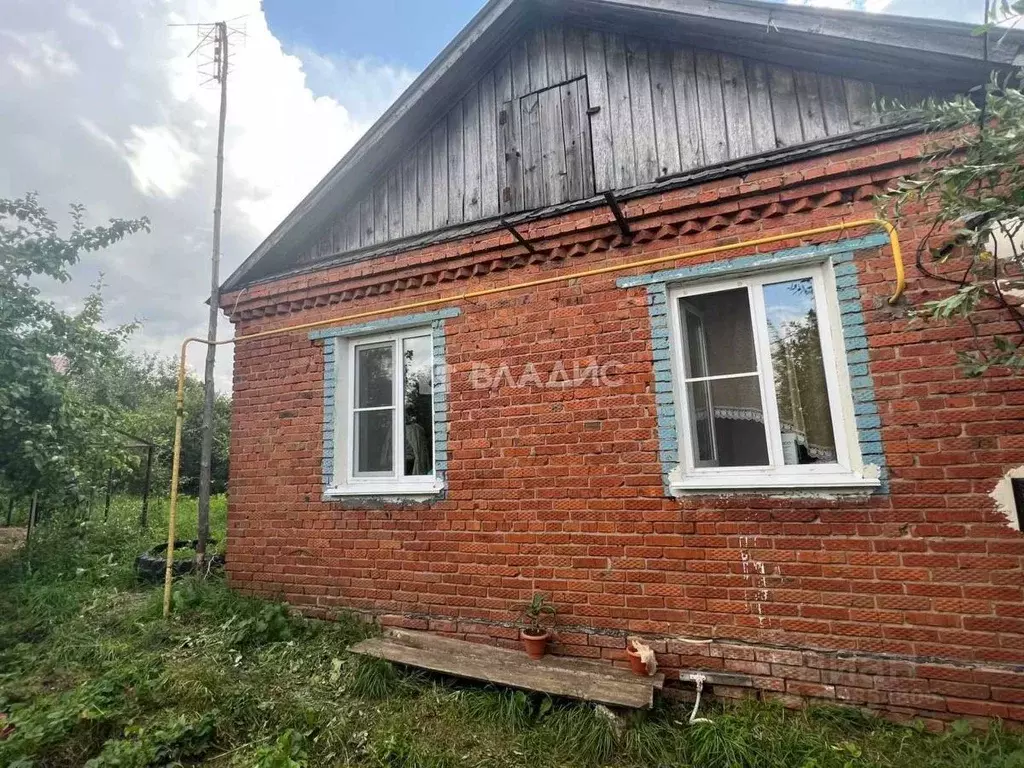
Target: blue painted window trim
x=841 y=255
x=436 y=322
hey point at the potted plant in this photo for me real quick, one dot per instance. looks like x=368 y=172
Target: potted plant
x=641 y=658
x=534 y=634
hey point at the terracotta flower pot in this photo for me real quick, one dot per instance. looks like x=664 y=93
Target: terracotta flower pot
x=635 y=662
x=535 y=645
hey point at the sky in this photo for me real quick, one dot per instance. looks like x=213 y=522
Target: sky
x=100 y=103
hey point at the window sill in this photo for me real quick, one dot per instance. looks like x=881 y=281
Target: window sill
x=405 y=491
x=828 y=484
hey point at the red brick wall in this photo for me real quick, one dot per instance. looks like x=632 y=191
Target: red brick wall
x=911 y=601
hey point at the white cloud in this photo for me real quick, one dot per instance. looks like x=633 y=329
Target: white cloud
x=100 y=104
x=37 y=52
x=159 y=162
x=79 y=15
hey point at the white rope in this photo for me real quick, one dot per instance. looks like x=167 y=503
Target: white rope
x=699 y=682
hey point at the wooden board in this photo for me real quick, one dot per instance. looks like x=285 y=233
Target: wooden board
x=555 y=675
x=684 y=78
x=600 y=111
x=737 y=107
x=666 y=135
x=712 y=108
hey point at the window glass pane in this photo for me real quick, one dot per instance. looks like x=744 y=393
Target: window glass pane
x=728 y=336
x=374 y=376
x=701 y=423
x=800 y=386
x=419 y=406
x=737 y=433
x=373 y=441
x=696 y=354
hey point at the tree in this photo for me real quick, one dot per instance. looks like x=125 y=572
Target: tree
x=972 y=187
x=140 y=390
x=50 y=429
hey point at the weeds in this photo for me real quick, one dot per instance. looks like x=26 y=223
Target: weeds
x=372 y=678
x=90 y=674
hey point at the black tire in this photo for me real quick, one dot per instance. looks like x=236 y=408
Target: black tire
x=150 y=566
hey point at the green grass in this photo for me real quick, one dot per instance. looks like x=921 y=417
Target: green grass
x=92 y=675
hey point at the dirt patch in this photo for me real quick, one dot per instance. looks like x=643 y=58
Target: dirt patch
x=11 y=539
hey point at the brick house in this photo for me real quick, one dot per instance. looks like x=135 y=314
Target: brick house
x=751 y=456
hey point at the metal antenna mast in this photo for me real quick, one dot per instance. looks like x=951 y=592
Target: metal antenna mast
x=220 y=74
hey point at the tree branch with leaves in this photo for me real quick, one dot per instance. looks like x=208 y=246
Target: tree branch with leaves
x=50 y=431
x=971 y=190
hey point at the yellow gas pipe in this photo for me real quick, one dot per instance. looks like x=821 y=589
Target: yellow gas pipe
x=890 y=230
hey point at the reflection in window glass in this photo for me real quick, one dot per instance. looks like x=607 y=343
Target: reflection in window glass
x=374 y=408
x=801 y=390
x=374 y=375
x=419 y=406
x=727 y=425
x=726 y=331
x=735 y=434
x=373 y=441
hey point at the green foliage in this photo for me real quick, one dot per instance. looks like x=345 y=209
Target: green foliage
x=372 y=678
x=535 y=611
x=183 y=738
x=287 y=751
x=508 y=709
x=49 y=429
x=972 y=187
x=91 y=674
x=141 y=390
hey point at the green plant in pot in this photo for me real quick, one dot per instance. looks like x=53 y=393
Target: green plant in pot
x=534 y=634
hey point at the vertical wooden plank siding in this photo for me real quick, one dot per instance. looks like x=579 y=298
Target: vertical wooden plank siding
x=833 y=105
x=599 y=112
x=510 y=131
x=860 y=103
x=762 y=124
x=568 y=111
x=520 y=69
x=572 y=140
x=366 y=221
x=666 y=133
x=638 y=68
x=552 y=142
x=409 y=194
x=352 y=227
x=575 y=61
x=502 y=97
x=456 y=165
x=812 y=120
x=439 y=185
x=586 y=148
x=739 y=133
x=395 y=204
x=533 y=164
x=379 y=223
x=621 y=115
x=554 y=43
x=424 y=186
x=472 y=204
x=537 y=60
x=785 y=109
x=684 y=81
x=712 y=109
x=489 y=186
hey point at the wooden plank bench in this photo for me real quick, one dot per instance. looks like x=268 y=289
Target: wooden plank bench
x=555 y=675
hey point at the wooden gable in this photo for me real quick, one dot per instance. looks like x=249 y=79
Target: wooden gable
x=566 y=112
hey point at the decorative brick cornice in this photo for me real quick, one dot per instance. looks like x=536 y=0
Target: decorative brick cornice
x=662 y=216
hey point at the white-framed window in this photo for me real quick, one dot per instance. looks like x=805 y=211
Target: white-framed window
x=761 y=385
x=384 y=417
